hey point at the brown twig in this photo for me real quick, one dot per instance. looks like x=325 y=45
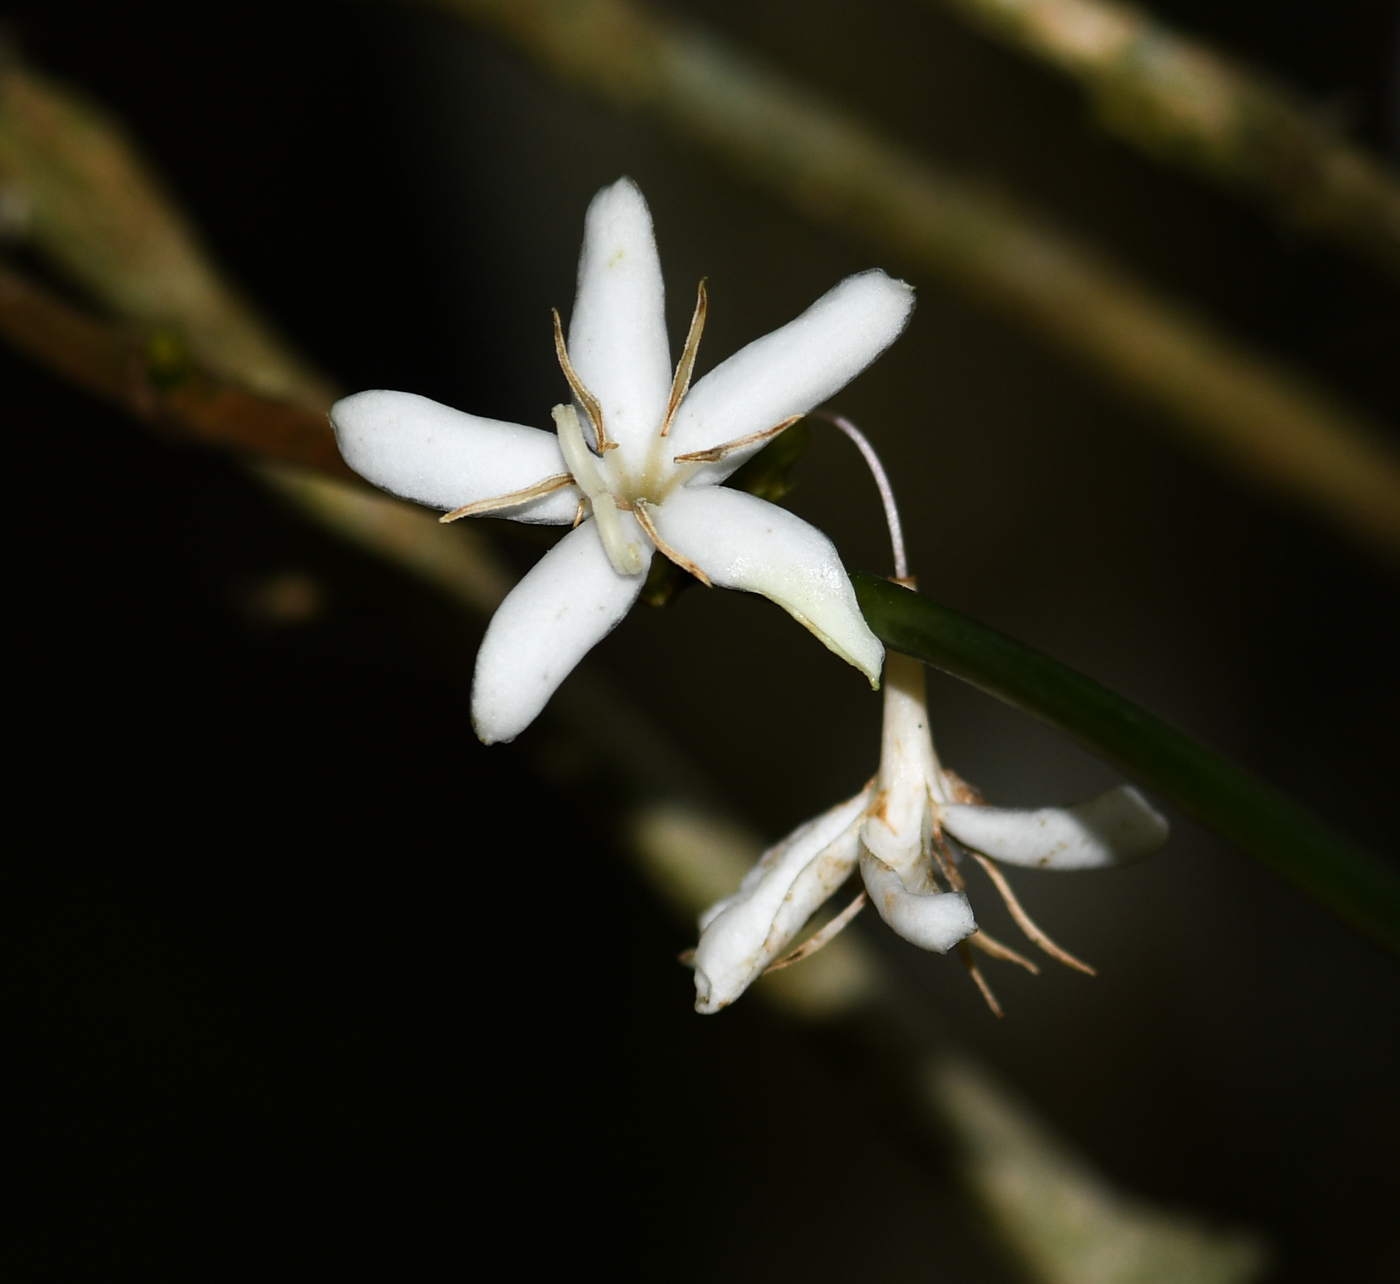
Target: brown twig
x=1182 y=102
x=190 y=356
x=1235 y=405
x=77 y=189
x=149 y=375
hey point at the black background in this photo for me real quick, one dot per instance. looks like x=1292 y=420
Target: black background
x=309 y=978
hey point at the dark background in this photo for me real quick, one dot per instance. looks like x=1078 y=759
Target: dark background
x=313 y=978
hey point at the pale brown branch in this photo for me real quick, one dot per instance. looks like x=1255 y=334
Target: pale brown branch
x=1184 y=103
x=1235 y=405
x=77 y=189
x=148 y=373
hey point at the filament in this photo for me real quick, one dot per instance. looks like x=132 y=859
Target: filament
x=882 y=482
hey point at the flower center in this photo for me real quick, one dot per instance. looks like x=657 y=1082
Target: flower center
x=609 y=485
x=589 y=476
x=610 y=488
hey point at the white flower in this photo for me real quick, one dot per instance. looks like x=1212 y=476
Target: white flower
x=741 y=936
x=635 y=465
x=896 y=830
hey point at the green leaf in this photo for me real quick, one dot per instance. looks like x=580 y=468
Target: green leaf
x=1359 y=887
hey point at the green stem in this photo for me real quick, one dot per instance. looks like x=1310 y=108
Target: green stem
x=1357 y=886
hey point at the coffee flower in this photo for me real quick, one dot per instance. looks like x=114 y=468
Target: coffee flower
x=907 y=830
x=897 y=831
x=635 y=464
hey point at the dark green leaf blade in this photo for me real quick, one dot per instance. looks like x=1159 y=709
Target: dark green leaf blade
x=1360 y=888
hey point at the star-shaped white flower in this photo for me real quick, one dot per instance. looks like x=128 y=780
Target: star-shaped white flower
x=635 y=464
x=896 y=830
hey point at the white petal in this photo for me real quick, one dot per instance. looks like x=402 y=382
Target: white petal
x=909 y=778
x=427 y=452
x=816 y=883
x=570 y=600
x=617 y=333
x=897 y=836
x=936 y=921
x=1115 y=827
x=791 y=853
x=742 y=935
x=791 y=370
x=743 y=542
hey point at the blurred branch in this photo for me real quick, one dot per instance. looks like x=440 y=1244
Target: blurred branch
x=463 y=567
x=1182 y=102
x=1361 y=889
x=150 y=375
x=688 y=848
x=73 y=186
x=1063 y=1220
x=1237 y=406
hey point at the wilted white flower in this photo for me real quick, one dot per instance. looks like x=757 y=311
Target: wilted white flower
x=896 y=830
x=635 y=464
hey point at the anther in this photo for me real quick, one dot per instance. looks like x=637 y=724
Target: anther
x=686 y=365
x=1024 y=921
x=641 y=511
x=716 y=453
x=586 y=399
x=975 y=972
x=979 y=940
x=819 y=938
x=481 y=506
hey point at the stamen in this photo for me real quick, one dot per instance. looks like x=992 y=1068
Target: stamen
x=585 y=398
x=626 y=557
x=643 y=516
x=546 y=487
x=716 y=453
x=815 y=942
x=959 y=790
x=1023 y=920
x=882 y=482
x=990 y=945
x=581 y=461
x=580 y=513
x=681 y=383
x=945 y=864
x=975 y=972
